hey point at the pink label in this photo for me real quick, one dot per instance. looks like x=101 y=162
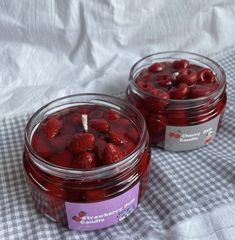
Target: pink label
x=92 y=216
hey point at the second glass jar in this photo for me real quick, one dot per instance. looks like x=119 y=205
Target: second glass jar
x=185 y=124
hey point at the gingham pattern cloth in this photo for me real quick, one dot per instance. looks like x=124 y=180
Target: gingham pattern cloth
x=181 y=185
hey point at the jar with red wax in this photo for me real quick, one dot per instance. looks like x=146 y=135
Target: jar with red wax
x=182 y=97
x=86 y=160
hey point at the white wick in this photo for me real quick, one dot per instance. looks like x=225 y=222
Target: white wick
x=85 y=122
x=174 y=75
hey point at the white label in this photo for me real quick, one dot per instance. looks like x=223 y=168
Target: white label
x=179 y=138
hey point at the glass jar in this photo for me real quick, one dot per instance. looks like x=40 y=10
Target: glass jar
x=87 y=199
x=179 y=125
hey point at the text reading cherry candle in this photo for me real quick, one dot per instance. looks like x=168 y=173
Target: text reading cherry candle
x=85 y=152
x=178 y=92
x=188 y=138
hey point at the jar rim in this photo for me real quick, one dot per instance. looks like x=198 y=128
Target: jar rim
x=46 y=165
x=217 y=91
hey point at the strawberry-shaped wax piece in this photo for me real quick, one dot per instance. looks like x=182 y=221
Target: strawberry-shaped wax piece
x=100 y=125
x=117 y=138
x=85 y=160
x=82 y=142
x=112 y=154
x=52 y=127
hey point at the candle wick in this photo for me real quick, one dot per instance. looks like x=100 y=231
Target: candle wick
x=85 y=122
x=174 y=75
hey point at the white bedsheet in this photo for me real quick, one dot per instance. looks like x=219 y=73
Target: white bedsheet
x=51 y=48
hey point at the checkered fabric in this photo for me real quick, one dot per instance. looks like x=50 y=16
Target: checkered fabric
x=181 y=184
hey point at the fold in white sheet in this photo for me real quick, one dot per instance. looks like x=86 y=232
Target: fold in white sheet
x=49 y=49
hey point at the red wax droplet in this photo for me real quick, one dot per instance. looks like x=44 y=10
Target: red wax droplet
x=179 y=92
x=181 y=64
x=206 y=76
x=156 y=67
x=188 y=76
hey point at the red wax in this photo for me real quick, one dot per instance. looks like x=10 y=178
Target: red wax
x=61 y=139
x=176 y=80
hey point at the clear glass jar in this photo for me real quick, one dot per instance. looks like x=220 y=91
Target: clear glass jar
x=179 y=125
x=93 y=198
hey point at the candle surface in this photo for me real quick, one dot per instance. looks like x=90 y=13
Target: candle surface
x=85 y=137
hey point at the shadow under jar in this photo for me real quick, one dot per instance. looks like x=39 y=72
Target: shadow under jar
x=93 y=189
x=182 y=97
